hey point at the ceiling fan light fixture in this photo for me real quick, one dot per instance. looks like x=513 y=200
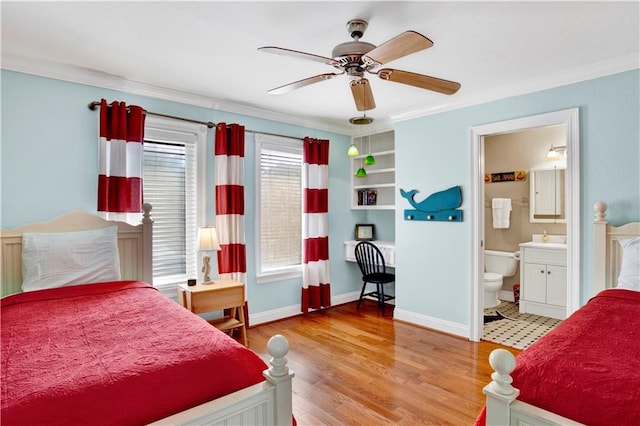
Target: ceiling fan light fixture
x=361 y=120
x=355 y=58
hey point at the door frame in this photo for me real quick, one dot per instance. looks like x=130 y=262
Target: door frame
x=569 y=118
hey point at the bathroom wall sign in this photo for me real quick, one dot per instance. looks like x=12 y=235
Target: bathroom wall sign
x=517 y=176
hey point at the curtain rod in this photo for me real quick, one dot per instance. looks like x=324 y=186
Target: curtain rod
x=273 y=134
x=93 y=105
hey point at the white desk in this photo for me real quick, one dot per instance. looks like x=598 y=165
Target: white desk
x=388 y=249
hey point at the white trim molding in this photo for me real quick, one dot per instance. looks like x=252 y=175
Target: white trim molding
x=95 y=78
x=576 y=75
x=570 y=119
x=431 y=322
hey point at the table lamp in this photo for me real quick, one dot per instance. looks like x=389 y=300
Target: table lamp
x=207 y=241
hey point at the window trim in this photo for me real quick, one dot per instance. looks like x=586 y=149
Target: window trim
x=286 y=144
x=160 y=128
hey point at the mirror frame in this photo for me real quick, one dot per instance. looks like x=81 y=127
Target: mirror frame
x=532 y=197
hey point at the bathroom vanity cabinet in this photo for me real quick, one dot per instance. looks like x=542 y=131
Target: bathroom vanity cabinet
x=543 y=279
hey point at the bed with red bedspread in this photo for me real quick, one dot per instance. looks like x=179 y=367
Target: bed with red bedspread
x=112 y=353
x=588 y=368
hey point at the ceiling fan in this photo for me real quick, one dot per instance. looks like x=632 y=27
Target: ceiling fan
x=356 y=57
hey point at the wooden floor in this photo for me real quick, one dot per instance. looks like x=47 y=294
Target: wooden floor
x=358 y=368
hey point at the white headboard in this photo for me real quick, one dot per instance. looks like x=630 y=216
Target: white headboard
x=134 y=246
x=607 y=255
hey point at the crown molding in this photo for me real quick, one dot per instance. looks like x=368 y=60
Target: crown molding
x=96 y=78
x=576 y=75
x=104 y=80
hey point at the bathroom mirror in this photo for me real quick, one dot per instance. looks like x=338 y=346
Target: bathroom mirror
x=547 y=195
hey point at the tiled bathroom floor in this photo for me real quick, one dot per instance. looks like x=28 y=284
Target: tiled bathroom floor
x=515 y=330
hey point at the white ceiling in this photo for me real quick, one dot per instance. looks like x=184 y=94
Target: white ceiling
x=207 y=50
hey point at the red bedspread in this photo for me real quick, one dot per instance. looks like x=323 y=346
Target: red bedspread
x=588 y=368
x=112 y=353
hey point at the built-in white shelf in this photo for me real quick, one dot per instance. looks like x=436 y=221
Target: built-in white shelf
x=380 y=177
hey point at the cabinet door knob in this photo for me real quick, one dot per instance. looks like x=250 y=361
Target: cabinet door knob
x=549 y=272
x=542 y=271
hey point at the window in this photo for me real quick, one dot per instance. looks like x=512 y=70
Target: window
x=279 y=207
x=173 y=185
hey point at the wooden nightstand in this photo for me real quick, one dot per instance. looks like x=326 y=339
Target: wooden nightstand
x=226 y=295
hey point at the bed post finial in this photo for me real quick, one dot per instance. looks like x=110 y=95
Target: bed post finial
x=280 y=376
x=278 y=347
x=600 y=207
x=146 y=215
x=503 y=362
x=500 y=394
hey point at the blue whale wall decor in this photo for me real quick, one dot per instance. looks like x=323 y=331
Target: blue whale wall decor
x=439 y=206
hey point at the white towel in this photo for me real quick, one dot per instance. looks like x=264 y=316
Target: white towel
x=501 y=208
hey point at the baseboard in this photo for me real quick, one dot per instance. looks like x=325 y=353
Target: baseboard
x=399 y=314
x=293 y=310
x=432 y=323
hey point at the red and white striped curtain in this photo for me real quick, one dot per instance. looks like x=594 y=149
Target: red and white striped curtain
x=229 y=182
x=316 y=289
x=120 y=162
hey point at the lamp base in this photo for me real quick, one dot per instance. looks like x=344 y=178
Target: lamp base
x=206 y=267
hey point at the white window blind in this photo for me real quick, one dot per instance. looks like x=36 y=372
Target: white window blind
x=170 y=185
x=165 y=187
x=279 y=202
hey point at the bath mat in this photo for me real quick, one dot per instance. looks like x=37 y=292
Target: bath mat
x=490 y=318
x=504 y=316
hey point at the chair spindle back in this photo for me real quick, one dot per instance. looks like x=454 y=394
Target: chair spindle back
x=369 y=258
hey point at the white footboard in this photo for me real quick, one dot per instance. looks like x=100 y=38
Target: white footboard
x=503 y=408
x=266 y=403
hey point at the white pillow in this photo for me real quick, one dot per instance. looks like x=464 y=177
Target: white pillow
x=59 y=259
x=629 y=277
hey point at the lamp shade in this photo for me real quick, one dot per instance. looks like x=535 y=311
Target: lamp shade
x=557 y=152
x=353 y=151
x=552 y=155
x=208 y=239
x=369 y=160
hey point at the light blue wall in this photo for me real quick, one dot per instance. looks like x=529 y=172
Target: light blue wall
x=433 y=153
x=48 y=160
x=48 y=165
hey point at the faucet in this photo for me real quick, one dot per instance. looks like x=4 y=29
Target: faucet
x=544 y=236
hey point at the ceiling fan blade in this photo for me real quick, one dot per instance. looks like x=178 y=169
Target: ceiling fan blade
x=418 y=80
x=402 y=45
x=362 y=94
x=301 y=83
x=297 y=54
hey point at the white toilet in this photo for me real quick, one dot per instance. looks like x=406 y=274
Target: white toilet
x=497 y=264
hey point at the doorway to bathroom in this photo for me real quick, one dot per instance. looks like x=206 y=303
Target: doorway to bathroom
x=528 y=140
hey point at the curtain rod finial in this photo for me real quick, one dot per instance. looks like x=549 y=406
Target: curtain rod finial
x=93 y=105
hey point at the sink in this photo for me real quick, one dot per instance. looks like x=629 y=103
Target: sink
x=551 y=239
x=544 y=245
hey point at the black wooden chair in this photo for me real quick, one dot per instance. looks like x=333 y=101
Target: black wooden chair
x=374 y=271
